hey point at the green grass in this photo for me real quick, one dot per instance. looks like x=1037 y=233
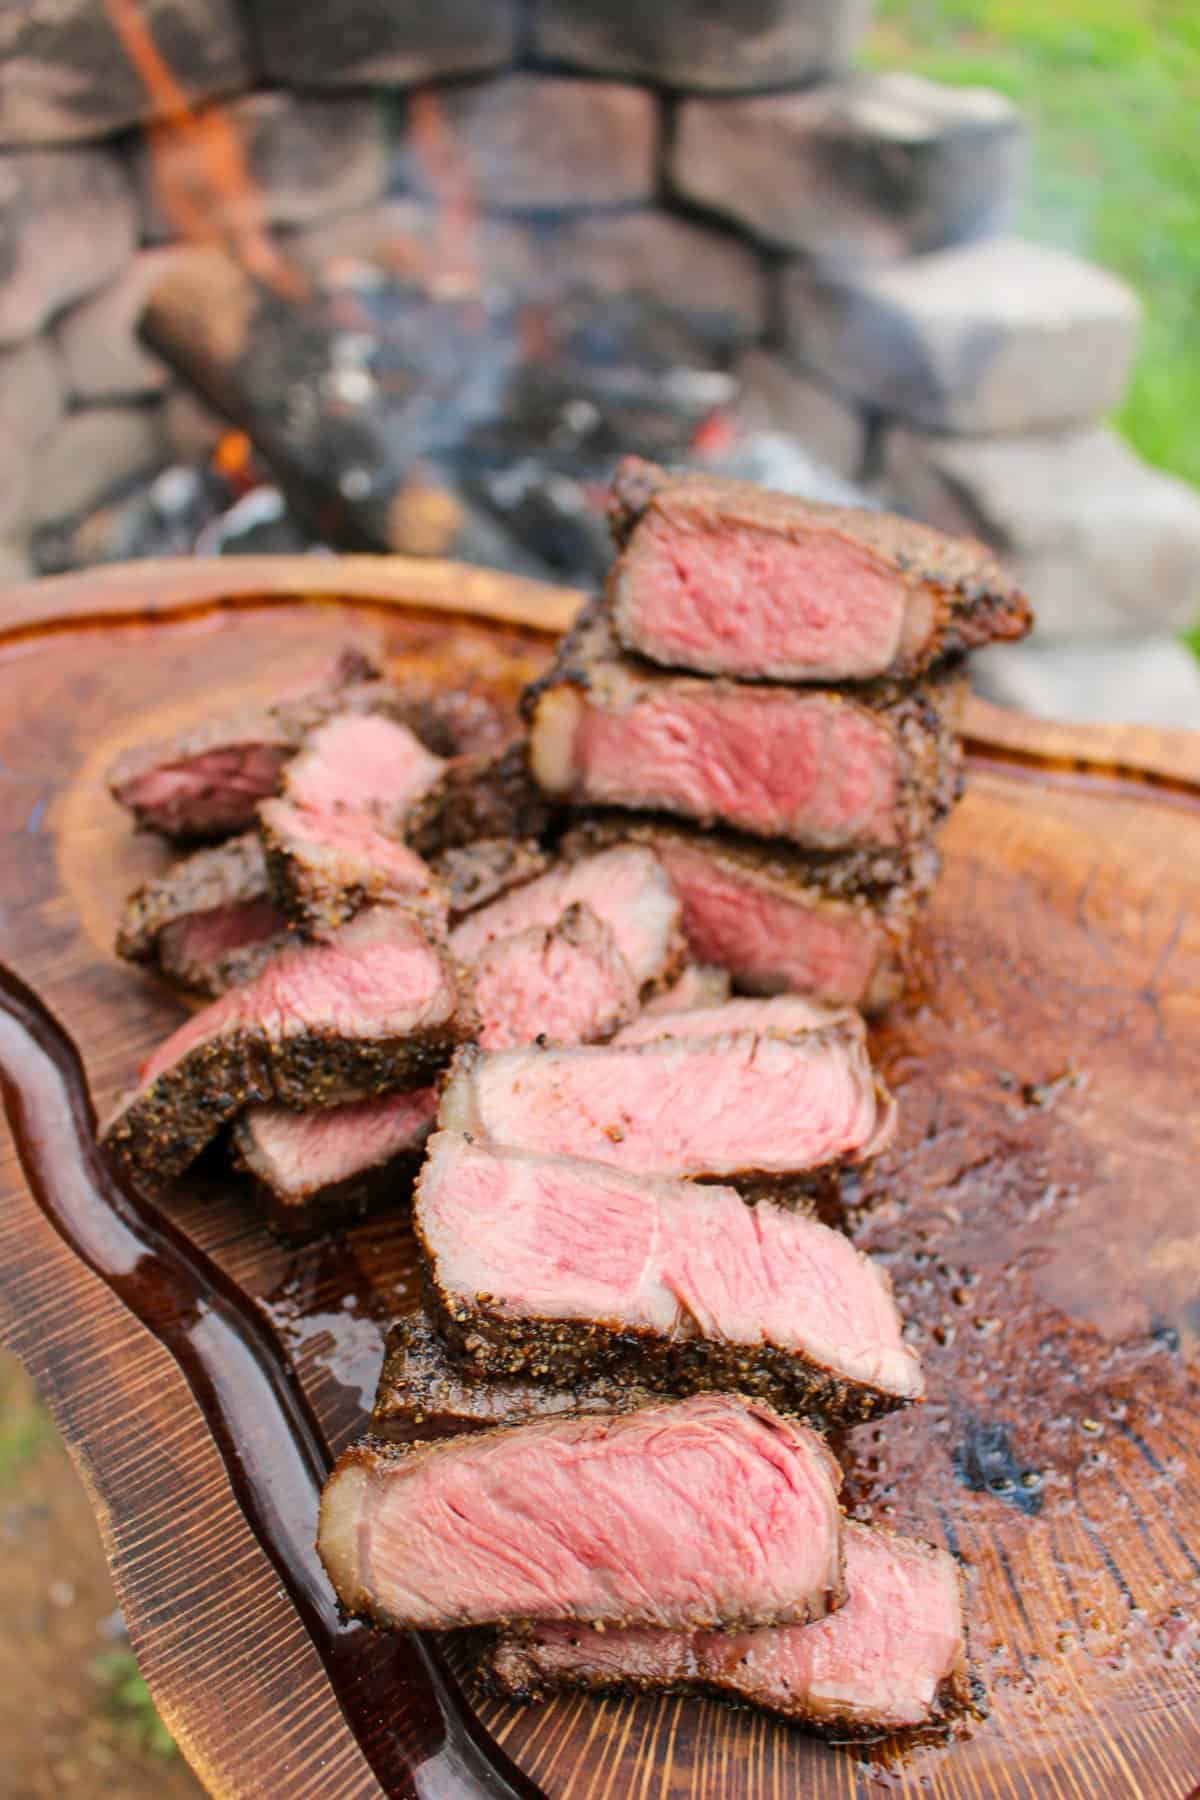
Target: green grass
x=1112 y=90
x=128 y=1700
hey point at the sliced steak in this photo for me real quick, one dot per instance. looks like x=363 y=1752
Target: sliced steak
x=209 y=922
x=700 y=984
x=624 y=886
x=480 y=872
x=703 y=1513
x=313 y=1170
x=778 y=921
x=207 y=782
x=745 y=1104
x=373 y=1010
x=728 y=579
x=487 y=795
x=813 y=766
x=789 y=1014
x=549 y=1267
x=893 y=1657
x=565 y=983
x=363 y=763
x=425 y=1392
x=325 y=866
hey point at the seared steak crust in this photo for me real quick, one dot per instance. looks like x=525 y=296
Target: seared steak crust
x=958 y=595
x=425 y=1392
x=208 y=923
x=489 y=795
x=475 y=873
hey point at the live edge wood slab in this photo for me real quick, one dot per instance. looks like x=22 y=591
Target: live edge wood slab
x=1039 y=1217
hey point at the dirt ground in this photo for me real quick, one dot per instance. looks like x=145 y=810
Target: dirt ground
x=75 y=1717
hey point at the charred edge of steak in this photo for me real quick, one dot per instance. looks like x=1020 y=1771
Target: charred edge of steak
x=505 y=1669
x=162 y=1130
x=483 y=796
x=979 y=601
x=317 y=903
x=864 y=879
x=924 y=721
x=226 y=875
x=331 y=1208
x=424 y=1392
x=569 y=1351
x=475 y=873
x=228 y=969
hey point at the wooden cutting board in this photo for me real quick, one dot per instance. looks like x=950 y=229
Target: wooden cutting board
x=1039 y=1216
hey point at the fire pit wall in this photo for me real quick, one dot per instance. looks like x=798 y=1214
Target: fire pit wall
x=840 y=240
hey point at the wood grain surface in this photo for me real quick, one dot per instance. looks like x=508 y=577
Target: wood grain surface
x=1039 y=1217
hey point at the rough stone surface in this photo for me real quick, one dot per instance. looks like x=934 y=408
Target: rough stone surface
x=15 y=564
x=863 y=170
x=66 y=228
x=65 y=74
x=709 y=277
x=14 y=489
x=98 y=339
x=308 y=156
x=1002 y=336
x=775 y=397
x=1103 y=542
x=92 y=455
x=353 y=43
x=1113 y=681
x=32 y=393
x=534 y=143
x=710 y=45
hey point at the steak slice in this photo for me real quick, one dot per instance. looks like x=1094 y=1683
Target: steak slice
x=709 y=1512
x=699 y=984
x=744 y=1105
x=781 y=922
x=815 y=767
x=372 y=1010
x=477 y=873
x=208 y=922
x=206 y=782
x=729 y=579
x=549 y=1267
x=624 y=886
x=363 y=763
x=566 y=983
x=789 y=1014
x=893 y=1657
x=424 y=1392
x=324 y=867
x=313 y=1170
x=486 y=795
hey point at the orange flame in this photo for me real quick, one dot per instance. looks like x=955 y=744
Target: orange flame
x=455 y=259
x=205 y=186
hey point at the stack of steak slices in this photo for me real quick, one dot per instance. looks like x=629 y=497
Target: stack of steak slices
x=768 y=695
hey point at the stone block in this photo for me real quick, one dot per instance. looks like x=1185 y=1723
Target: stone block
x=773 y=396
x=103 y=356
x=538 y=143
x=1103 y=542
x=15 y=520
x=412 y=238
x=67 y=226
x=15 y=564
x=994 y=337
x=711 y=278
x=863 y=170
x=92 y=455
x=32 y=393
x=65 y=74
x=308 y=157
x=1110 y=681
x=715 y=46
x=357 y=43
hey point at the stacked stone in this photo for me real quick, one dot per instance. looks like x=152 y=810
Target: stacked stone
x=841 y=239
